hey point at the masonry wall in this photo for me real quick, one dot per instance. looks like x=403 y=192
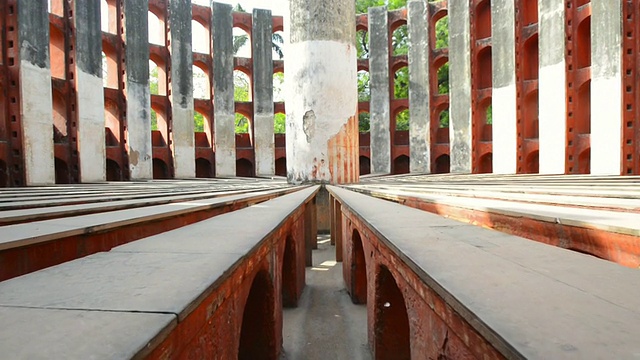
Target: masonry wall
x=540 y=87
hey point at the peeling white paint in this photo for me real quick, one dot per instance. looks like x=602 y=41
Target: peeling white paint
x=37 y=124
x=322 y=82
x=139 y=131
x=91 y=127
x=505 y=132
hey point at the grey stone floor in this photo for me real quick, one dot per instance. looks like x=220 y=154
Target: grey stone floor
x=326 y=324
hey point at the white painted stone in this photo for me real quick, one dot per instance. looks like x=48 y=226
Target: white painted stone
x=553 y=125
x=264 y=145
x=184 y=161
x=36 y=112
x=91 y=127
x=139 y=131
x=225 y=145
x=505 y=132
x=327 y=98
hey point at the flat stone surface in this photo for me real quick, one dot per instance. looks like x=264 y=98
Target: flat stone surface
x=70 y=334
x=528 y=299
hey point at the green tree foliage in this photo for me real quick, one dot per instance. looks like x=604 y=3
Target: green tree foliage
x=198 y=122
x=153 y=88
x=279 y=123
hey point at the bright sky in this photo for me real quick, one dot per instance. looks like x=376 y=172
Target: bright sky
x=276 y=6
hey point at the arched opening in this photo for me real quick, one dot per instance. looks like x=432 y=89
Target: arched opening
x=442 y=33
x=279 y=123
x=200 y=39
x=365 y=165
x=401 y=165
x=533 y=163
x=56 y=7
x=60 y=130
x=358 y=270
x=201 y=84
x=364 y=86
x=278 y=87
x=157 y=77
x=443 y=120
x=364 y=122
x=57 y=53
x=4 y=174
x=104 y=16
x=400 y=40
x=159 y=126
x=257 y=337
x=289 y=275
x=362 y=44
x=531 y=58
x=281 y=166
x=160 y=169
x=199 y=125
x=582 y=113
x=584 y=161
x=443 y=79
x=244 y=168
x=442 y=164
x=484 y=68
x=241 y=43
x=156 y=30
x=402 y=120
x=62 y=171
x=529 y=12
x=277 y=44
x=486 y=120
x=483 y=20
x=401 y=83
x=583 y=45
x=391 y=322
x=486 y=164
x=241 y=86
x=531 y=127
x=203 y=168
x=242 y=124
x=112 y=123
x=113 y=171
x=109 y=66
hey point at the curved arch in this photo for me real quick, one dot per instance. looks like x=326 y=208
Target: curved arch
x=289 y=274
x=242 y=85
x=281 y=166
x=200 y=38
x=483 y=19
x=244 y=168
x=112 y=121
x=201 y=83
x=441 y=28
x=442 y=75
x=157 y=76
x=57 y=53
x=531 y=58
x=242 y=48
x=111 y=62
x=61 y=171
x=60 y=130
x=532 y=165
x=443 y=163
x=365 y=165
x=401 y=83
x=484 y=68
x=486 y=164
x=364 y=85
x=257 y=334
x=582 y=113
x=203 y=168
x=113 y=171
x=583 y=43
x=391 y=322
x=358 y=288
x=531 y=126
x=362 y=45
x=156 y=26
x=400 y=39
x=401 y=165
x=160 y=169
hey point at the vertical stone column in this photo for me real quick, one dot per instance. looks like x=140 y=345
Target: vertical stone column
x=36 y=109
x=183 y=142
x=91 y=125
x=460 y=123
x=138 y=93
x=505 y=132
x=606 y=87
x=322 y=95
x=263 y=111
x=380 y=121
x=223 y=102
x=419 y=90
x=552 y=87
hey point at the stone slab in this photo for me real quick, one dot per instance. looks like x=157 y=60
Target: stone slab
x=35 y=333
x=529 y=300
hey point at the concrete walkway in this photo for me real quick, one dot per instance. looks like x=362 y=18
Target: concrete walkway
x=326 y=324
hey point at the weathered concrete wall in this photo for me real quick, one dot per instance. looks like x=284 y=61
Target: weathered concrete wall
x=460 y=85
x=36 y=108
x=322 y=123
x=224 y=110
x=91 y=124
x=264 y=142
x=182 y=89
x=380 y=123
x=606 y=87
x=552 y=87
x=419 y=90
x=138 y=92
x=503 y=58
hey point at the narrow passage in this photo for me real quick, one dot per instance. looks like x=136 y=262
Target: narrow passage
x=326 y=324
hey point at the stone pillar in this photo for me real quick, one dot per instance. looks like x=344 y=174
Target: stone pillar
x=224 y=105
x=36 y=109
x=552 y=87
x=460 y=123
x=419 y=90
x=263 y=111
x=606 y=87
x=183 y=142
x=137 y=86
x=322 y=95
x=505 y=132
x=91 y=125
x=380 y=121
